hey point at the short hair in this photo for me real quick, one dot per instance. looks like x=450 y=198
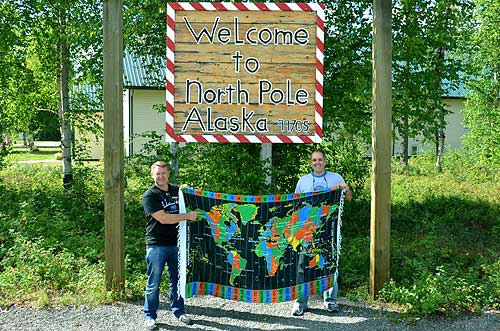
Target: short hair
x=161 y=164
x=319 y=151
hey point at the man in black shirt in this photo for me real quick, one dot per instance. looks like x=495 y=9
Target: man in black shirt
x=161 y=207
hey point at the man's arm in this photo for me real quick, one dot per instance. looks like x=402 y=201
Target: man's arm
x=166 y=218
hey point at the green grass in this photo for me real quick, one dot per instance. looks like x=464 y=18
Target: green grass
x=445 y=252
x=24 y=154
x=51 y=240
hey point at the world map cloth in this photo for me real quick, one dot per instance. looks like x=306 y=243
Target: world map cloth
x=247 y=247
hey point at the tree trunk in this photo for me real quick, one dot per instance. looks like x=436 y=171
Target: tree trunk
x=440 y=142
x=3 y=144
x=174 y=162
x=442 y=122
x=266 y=155
x=403 y=153
x=64 y=108
x=8 y=138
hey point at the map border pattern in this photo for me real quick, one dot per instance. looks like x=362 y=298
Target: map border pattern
x=188 y=290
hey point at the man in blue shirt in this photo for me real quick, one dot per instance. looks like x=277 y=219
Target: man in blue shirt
x=319 y=179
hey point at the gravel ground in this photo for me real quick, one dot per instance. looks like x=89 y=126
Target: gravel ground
x=211 y=313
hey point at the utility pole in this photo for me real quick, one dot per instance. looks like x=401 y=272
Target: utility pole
x=380 y=243
x=113 y=145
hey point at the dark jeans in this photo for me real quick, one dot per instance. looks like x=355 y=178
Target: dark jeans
x=156 y=258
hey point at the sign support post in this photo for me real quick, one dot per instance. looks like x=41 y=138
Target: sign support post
x=113 y=145
x=380 y=244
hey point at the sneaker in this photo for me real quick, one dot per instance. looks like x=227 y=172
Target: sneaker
x=298 y=309
x=332 y=307
x=150 y=324
x=186 y=320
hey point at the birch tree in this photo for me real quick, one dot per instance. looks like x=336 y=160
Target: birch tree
x=482 y=53
x=22 y=91
x=425 y=34
x=63 y=41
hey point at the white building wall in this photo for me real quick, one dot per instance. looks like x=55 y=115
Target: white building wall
x=455 y=130
x=453 y=134
x=92 y=144
x=144 y=118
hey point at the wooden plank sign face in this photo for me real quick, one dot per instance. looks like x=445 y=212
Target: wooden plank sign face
x=244 y=72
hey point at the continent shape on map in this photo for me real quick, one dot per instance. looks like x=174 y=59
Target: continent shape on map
x=295 y=229
x=223 y=223
x=238 y=264
x=224 y=227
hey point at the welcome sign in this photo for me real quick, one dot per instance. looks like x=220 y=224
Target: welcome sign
x=244 y=72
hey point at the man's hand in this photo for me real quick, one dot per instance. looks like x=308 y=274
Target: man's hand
x=348 y=193
x=191 y=216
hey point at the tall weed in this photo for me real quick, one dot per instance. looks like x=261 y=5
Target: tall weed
x=443 y=253
x=51 y=239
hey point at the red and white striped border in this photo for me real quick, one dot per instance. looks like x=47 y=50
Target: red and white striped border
x=172 y=7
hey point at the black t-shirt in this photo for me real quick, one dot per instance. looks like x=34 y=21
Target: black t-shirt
x=156 y=199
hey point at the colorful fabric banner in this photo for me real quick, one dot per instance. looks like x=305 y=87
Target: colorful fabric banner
x=247 y=248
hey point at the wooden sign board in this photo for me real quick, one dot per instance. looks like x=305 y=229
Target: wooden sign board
x=244 y=72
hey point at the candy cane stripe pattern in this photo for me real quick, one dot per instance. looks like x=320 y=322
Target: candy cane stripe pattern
x=283 y=97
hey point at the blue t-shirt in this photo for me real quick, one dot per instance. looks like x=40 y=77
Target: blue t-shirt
x=311 y=182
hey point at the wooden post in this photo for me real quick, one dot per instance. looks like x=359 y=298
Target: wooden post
x=266 y=155
x=113 y=144
x=380 y=254
x=174 y=162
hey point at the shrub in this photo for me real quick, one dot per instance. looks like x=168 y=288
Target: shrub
x=439 y=292
x=444 y=256
x=31 y=267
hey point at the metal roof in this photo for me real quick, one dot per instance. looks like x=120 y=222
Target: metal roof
x=144 y=72
x=454 y=91
x=147 y=73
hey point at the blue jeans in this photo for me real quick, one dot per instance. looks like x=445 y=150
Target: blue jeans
x=329 y=296
x=156 y=258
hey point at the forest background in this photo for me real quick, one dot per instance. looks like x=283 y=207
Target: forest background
x=445 y=205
